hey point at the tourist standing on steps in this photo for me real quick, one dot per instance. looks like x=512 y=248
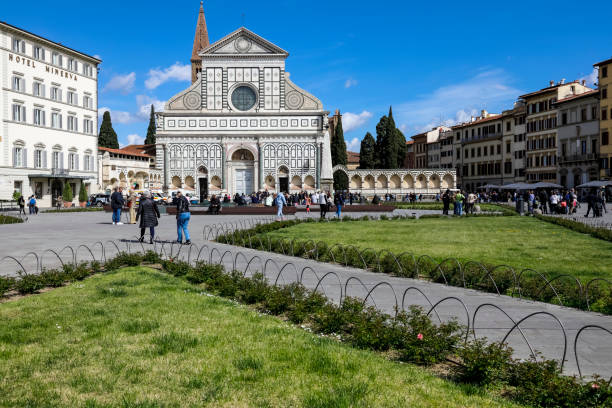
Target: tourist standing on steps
x=148 y=214
x=182 y=218
x=117 y=203
x=279 y=201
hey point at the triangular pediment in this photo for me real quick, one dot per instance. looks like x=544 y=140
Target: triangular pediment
x=243 y=42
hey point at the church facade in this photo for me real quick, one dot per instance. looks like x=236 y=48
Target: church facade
x=242 y=125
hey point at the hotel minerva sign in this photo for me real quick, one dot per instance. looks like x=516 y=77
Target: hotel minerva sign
x=31 y=63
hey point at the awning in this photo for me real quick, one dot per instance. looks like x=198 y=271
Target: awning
x=596 y=184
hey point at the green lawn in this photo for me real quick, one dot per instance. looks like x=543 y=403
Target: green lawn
x=522 y=242
x=141 y=338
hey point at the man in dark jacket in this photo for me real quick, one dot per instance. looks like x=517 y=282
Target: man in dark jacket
x=446 y=199
x=117 y=203
x=148 y=214
x=182 y=218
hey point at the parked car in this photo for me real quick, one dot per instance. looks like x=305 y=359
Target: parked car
x=99 y=200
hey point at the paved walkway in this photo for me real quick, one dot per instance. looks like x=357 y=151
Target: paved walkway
x=543 y=332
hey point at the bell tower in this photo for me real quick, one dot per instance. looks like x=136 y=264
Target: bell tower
x=199 y=42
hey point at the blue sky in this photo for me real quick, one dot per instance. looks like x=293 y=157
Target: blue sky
x=435 y=62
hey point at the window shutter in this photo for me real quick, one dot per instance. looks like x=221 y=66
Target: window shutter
x=61 y=160
x=44 y=159
x=14 y=157
x=76 y=161
x=25 y=157
x=91 y=166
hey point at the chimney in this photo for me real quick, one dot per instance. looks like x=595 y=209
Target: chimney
x=562 y=81
x=583 y=82
x=551 y=83
x=483 y=114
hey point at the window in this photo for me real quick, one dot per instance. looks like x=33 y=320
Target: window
x=508 y=147
x=38 y=89
x=39 y=117
x=604 y=93
x=19 y=112
x=88 y=162
x=18 y=156
x=56 y=120
x=87 y=102
x=38 y=158
x=583 y=146
x=56 y=59
x=72 y=98
x=87 y=70
x=71 y=64
x=244 y=98
x=57 y=160
x=56 y=93
x=18 y=84
x=72 y=123
x=18 y=45
x=604 y=138
x=38 y=53
x=583 y=115
x=73 y=160
x=508 y=126
x=604 y=72
x=88 y=126
x=604 y=114
x=564 y=118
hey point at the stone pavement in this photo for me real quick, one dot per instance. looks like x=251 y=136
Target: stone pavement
x=543 y=332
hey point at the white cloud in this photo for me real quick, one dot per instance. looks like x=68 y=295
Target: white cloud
x=176 y=72
x=144 y=103
x=97 y=56
x=592 y=78
x=350 y=82
x=117 y=116
x=450 y=104
x=351 y=121
x=354 y=145
x=134 y=139
x=121 y=83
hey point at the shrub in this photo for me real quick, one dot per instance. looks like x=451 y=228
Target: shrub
x=7 y=219
x=82 y=193
x=420 y=341
x=306 y=305
x=204 y=272
x=151 y=257
x=253 y=290
x=53 y=278
x=29 y=284
x=482 y=362
x=6 y=284
x=67 y=194
x=176 y=268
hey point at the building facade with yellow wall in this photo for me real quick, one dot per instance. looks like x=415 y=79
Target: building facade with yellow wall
x=605 y=118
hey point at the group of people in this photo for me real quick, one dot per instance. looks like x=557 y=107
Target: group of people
x=321 y=198
x=148 y=213
x=31 y=202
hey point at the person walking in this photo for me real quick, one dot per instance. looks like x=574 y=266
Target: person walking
x=21 y=203
x=117 y=203
x=148 y=214
x=132 y=206
x=32 y=204
x=279 y=201
x=183 y=215
x=307 y=199
x=323 y=204
x=471 y=203
x=446 y=199
x=459 y=197
x=338 y=202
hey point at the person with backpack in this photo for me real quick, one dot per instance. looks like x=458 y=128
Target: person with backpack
x=183 y=215
x=32 y=204
x=338 y=202
x=280 y=201
x=117 y=203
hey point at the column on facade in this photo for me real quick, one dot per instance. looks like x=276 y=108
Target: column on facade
x=166 y=167
x=260 y=167
x=223 y=171
x=318 y=165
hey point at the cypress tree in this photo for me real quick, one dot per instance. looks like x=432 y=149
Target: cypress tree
x=367 y=152
x=381 y=132
x=389 y=144
x=338 y=145
x=400 y=141
x=150 y=139
x=107 y=136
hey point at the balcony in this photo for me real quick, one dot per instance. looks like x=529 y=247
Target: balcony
x=60 y=172
x=578 y=158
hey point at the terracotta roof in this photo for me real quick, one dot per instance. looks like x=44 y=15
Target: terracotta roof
x=608 y=61
x=409 y=142
x=127 y=150
x=201 y=35
x=352 y=157
x=478 y=121
x=547 y=89
x=578 y=96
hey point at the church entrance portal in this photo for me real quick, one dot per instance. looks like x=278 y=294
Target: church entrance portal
x=283 y=183
x=244 y=181
x=203 y=188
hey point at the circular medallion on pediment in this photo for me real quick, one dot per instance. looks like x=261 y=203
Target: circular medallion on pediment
x=192 y=100
x=242 y=44
x=294 y=100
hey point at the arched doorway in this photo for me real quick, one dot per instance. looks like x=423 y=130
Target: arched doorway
x=341 y=181
x=203 y=183
x=56 y=191
x=243 y=164
x=283 y=179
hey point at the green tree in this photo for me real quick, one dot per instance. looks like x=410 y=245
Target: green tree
x=367 y=152
x=82 y=193
x=67 y=194
x=338 y=145
x=400 y=141
x=381 y=134
x=107 y=136
x=150 y=139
